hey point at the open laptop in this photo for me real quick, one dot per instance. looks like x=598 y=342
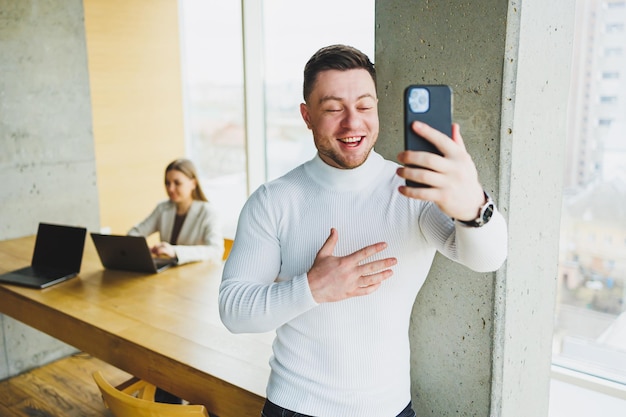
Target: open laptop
x=57 y=257
x=128 y=253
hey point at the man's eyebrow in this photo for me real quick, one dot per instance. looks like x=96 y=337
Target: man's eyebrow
x=335 y=98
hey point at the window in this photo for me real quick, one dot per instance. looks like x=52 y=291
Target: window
x=591 y=309
x=613 y=51
x=616 y=5
x=214 y=99
x=610 y=75
x=615 y=28
x=608 y=99
x=214 y=86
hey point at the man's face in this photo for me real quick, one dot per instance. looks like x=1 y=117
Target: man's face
x=342 y=113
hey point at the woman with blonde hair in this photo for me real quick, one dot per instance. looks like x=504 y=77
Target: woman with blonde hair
x=188 y=225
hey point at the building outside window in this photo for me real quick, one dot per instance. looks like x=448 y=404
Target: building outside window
x=590 y=326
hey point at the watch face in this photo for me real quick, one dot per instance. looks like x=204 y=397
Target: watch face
x=486 y=212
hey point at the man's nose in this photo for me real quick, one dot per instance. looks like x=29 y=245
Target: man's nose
x=351 y=119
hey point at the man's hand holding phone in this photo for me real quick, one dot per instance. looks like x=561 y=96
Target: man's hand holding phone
x=450 y=179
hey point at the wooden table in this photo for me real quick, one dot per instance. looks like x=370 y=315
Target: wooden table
x=164 y=328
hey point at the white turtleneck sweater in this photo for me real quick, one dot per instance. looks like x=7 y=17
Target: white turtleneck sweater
x=346 y=358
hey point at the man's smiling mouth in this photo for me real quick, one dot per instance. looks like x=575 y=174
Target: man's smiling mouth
x=353 y=140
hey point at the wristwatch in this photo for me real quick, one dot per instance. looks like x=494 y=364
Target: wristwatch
x=485 y=213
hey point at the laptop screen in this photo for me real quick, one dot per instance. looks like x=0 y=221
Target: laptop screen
x=59 y=246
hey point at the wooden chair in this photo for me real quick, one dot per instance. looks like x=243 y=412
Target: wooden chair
x=136 y=399
x=228 y=243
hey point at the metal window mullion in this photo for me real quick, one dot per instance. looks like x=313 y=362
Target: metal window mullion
x=254 y=93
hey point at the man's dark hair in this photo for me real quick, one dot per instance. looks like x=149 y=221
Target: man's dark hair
x=335 y=57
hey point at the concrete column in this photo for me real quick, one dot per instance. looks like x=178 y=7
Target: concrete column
x=47 y=161
x=481 y=343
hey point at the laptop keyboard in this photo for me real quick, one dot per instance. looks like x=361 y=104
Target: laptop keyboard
x=45 y=271
x=159 y=262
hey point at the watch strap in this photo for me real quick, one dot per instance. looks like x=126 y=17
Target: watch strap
x=484 y=215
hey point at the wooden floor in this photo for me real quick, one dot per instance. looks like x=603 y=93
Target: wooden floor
x=64 y=388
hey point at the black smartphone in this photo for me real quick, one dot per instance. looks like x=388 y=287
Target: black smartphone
x=431 y=104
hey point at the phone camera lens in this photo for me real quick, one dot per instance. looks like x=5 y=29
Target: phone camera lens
x=419 y=100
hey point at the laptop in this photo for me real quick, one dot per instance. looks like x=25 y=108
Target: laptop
x=57 y=257
x=128 y=253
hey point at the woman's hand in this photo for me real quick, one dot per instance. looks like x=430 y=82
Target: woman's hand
x=163 y=249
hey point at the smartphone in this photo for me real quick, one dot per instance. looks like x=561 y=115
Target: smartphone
x=431 y=104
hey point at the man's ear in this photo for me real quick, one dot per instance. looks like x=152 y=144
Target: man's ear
x=304 y=111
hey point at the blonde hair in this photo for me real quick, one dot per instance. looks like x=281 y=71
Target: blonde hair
x=189 y=170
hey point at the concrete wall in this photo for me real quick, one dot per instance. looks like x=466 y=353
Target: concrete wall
x=481 y=343
x=47 y=161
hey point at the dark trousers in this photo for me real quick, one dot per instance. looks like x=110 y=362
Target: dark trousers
x=272 y=410
x=162 y=396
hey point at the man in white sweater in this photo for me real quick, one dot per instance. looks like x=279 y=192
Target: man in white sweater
x=332 y=254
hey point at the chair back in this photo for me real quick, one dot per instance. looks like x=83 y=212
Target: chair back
x=123 y=404
x=228 y=243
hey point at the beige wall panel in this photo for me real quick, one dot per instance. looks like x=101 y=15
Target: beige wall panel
x=136 y=92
